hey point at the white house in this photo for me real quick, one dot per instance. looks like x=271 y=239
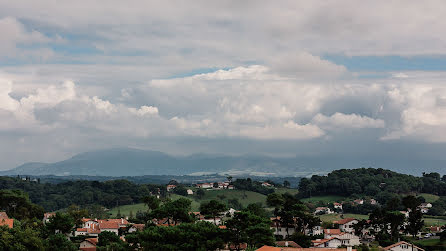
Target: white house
x=349 y=239
x=323 y=210
x=330 y=233
x=136 y=227
x=94 y=231
x=327 y=243
x=190 y=192
x=110 y=227
x=337 y=205
x=403 y=246
x=88 y=223
x=346 y=225
x=359 y=201
x=426 y=205
x=317 y=230
x=205 y=185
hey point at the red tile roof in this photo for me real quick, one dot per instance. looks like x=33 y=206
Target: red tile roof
x=290 y=244
x=93 y=241
x=399 y=243
x=269 y=248
x=119 y=221
x=332 y=231
x=7 y=222
x=140 y=227
x=109 y=225
x=343 y=221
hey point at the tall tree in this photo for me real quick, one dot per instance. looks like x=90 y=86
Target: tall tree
x=415 y=222
x=212 y=208
x=60 y=223
x=246 y=227
x=275 y=200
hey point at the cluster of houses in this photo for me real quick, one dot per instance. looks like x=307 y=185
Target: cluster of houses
x=207 y=186
x=342 y=236
x=337 y=207
x=333 y=238
x=93 y=227
x=400 y=246
x=215 y=185
x=424 y=207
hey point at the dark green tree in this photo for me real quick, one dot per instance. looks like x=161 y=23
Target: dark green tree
x=60 y=223
x=60 y=242
x=213 y=209
x=276 y=201
x=246 y=227
x=415 y=222
x=200 y=193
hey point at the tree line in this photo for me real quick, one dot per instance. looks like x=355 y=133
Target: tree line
x=371 y=181
x=58 y=196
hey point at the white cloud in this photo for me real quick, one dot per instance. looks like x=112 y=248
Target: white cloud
x=145 y=110
x=14 y=35
x=343 y=121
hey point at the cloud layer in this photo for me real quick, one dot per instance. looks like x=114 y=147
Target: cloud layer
x=226 y=77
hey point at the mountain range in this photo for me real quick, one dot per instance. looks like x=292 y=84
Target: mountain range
x=135 y=162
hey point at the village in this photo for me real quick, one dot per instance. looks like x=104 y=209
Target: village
x=341 y=234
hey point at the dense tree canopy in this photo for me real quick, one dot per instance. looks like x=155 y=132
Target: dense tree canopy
x=57 y=196
x=370 y=181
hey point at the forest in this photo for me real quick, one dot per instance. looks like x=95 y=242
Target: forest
x=57 y=196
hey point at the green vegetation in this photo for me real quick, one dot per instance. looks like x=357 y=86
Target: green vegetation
x=54 y=197
x=434 y=221
x=429 y=197
x=324 y=199
x=334 y=217
x=431 y=244
x=243 y=197
x=127 y=209
x=372 y=182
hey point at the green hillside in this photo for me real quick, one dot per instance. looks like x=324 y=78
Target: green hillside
x=244 y=197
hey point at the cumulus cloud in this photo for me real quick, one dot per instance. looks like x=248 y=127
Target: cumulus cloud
x=343 y=121
x=305 y=65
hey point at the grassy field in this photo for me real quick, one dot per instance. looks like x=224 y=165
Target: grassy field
x=126 y=209
x=244 y=197
x=287 y=190
x=429 y=197
x=333 y=217
x=433 y=244
x=434 y=221
x=325 y=199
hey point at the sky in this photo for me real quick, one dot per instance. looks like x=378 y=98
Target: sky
x=280 y=78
